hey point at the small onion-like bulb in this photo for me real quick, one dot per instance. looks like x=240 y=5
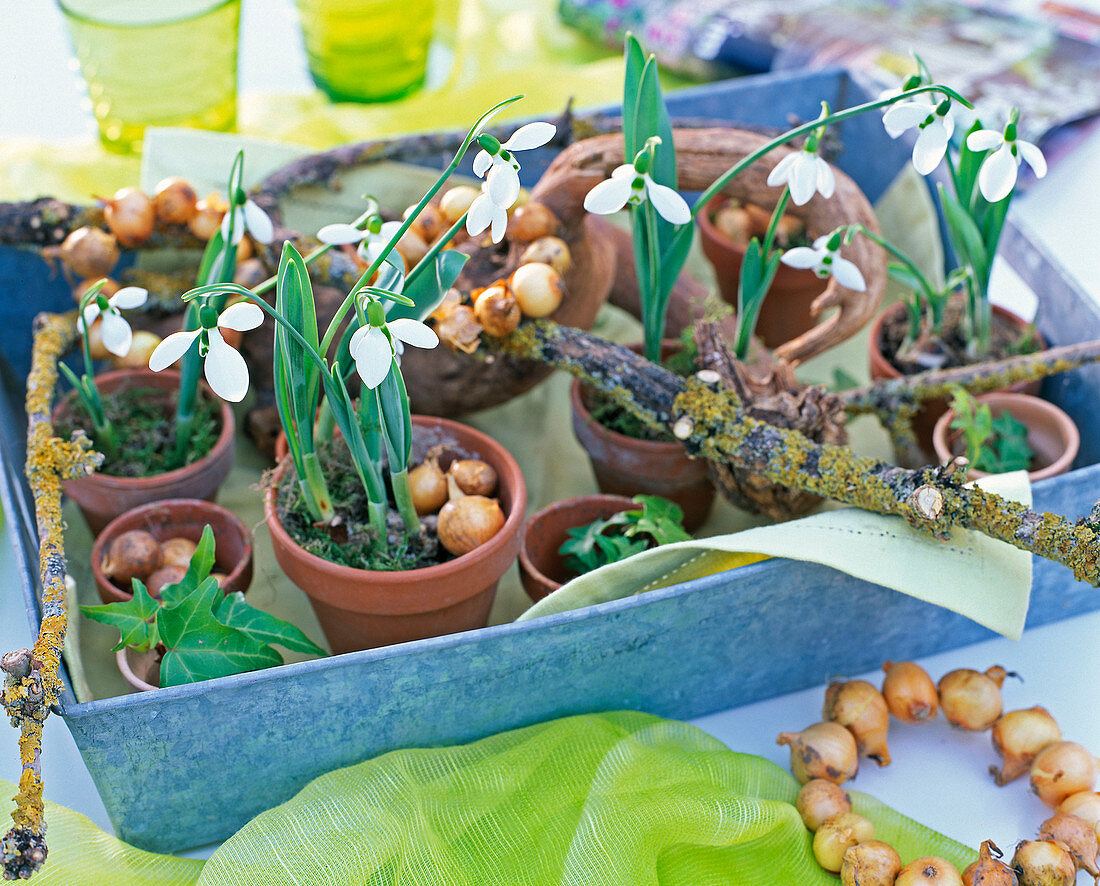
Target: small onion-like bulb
x=988 y=870
x=819 y=800
x=860 y=707
x=1018 y=736
x=497 y=312
x=735 y=223
x=207 y=220
x=89 y=252
x=94 y=336
x=538 y=289
x=1077 y=835
x=166 y=575
x=468 y=522
x=551 y=251
x=909 y=692
x=970 y=699
x=130 y=216
x=474 y=476
x=429 y=224
x=142 y=346
x=872 y=863
x=175 y=201
x=456 y=201
x=530 y=222
x=1060 y=770
x=133 y=554
x=823 y=750
x=930 y=870
x=1043 y=863
x=177 y=551
x=837 y=835
x=1086 y=805
x=428 y=487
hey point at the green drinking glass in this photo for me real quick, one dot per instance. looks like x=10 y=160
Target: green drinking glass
x=367 y=50
x=156 y=64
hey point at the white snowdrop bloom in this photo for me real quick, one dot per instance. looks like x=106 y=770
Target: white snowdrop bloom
x=251 y=218
x=499 y=161
x=628 y=185
x=485 y=213
x=374 y=347
x=997 y=177
x=113 y=329
x=225 y=369
x=824 y=261
x=805 y=173
x=936 y=125
x=370 y=244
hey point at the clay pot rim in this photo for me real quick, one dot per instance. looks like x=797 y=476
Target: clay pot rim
x=225 y=437
x=123 y=662
x=113 y=529
x=554 y=508
x=1004 y=401
x=512 y=523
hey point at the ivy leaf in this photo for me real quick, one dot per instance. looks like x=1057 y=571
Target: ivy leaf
x=202 y=561
x=234 y=612
x=1010 y=449
x=659 y=518
x=200 y=647
x=132 y=618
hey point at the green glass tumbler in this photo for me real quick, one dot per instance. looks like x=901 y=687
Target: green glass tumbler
x=367 y=50
x=150 y=63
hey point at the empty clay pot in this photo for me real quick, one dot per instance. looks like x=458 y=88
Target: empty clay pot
x=180 y=518
x=1051 y=434
x=102 y=497
x=363 y=609
x=541 y=566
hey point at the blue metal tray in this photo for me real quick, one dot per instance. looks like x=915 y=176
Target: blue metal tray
x=190 y=765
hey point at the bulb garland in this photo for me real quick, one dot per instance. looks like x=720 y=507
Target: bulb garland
x=855 y=721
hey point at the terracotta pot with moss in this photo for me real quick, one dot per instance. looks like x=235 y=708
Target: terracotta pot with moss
x=365 y=608
x=114 y=490
x=650 y=465
x=1011 y=335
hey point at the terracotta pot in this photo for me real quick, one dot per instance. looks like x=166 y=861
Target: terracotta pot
x=102 y=497
x=926 y=417
x=140 y=669
x=181 y=518
x=541 y=567
x=1051 y=434
x=785 y=313
x=626 y=466
x=362 y=609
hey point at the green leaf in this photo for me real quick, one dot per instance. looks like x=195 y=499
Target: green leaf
x=427 y=289
x=634 y=63
x=966 y=175
x=198 y=570
x=234 y=612
x=134 y=618
x=1009 y=449
x=393 y=407
x=219 y=262
x=901 y=274
x=391 y=273
x=200 y=647
x=965 y=236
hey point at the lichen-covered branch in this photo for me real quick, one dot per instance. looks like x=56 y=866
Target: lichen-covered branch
x=31 y=681
x=712 y=423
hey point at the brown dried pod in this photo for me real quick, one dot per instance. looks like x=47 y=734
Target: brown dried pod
x=530 y=222
x=1060 y=770
x=988 y=870
x=861 y=709
x=909 y=692
x=823 y=750
x=551 y=251
x=166 y=575
x=130 y=216
x=538 y=289
x=930 y=870
x=1043 y=863
x=1086 y=805
x=837 y=835
x=819 y=800
x=1077 y=835
x=497 y=312
x=1018 y=736
x=133 y=554
x=452 y=298
x=473 y=476
x=177 y=551
x=970 y=699
x=459 y=329
x=175 y=201
x=468 y=522
x=428 y=487
x=871 y=863
x=89 y=252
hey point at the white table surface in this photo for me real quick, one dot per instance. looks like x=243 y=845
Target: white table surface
x=938 y=775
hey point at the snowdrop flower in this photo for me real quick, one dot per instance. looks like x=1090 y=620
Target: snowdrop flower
x=225 y=369
x=824 y=259
x=629 y=184
x=936 y=124
x=251 y=218
x=371 y=243
x=805 y=173
x=374 y=345
x=113 y=329
x=499 y=161
x=484 y=213
x=997 y=177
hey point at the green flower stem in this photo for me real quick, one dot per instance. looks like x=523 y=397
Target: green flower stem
x=261 y=288
x=402 y=496
x=325 y=428
x=654 y=313
x=189 y=387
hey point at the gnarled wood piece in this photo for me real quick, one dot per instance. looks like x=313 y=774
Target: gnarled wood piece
x=702 y=155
